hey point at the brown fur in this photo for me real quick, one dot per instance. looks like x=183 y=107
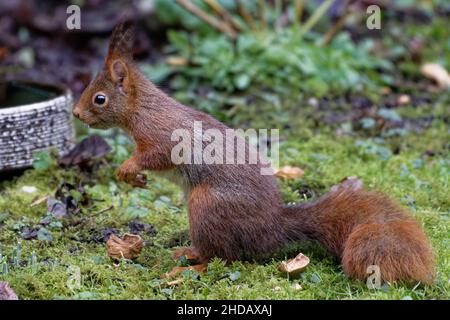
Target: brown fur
x=234 y=211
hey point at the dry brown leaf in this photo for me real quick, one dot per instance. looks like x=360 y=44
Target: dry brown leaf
x=129 y=247
x=289 y=172
x=294 y=266
x=436 y=73
x=92 y=147
x=200 y=268
x=6 y=293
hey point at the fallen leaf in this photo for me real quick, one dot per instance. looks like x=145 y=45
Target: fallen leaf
x=28 y=233
x=290 y=172
x=44 y=235
x=101 y=235
x=129 y=247
x=71 y=197
x=137 y=226
x=294 y=266
x=436 y=73
x=6 y=293
x=88 y=149
x=56 y=208
x=200 y=268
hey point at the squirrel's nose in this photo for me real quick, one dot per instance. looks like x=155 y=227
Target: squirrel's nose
x=76 y=113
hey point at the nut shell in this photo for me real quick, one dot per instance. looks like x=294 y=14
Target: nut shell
x=128 y=247
x=294 y=266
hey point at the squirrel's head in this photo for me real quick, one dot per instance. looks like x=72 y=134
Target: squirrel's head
x=107 y=100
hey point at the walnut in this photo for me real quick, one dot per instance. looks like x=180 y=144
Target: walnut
x=294 y=266
x=129 y=247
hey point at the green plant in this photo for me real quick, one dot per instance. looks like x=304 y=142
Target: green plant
x=265 y=61
x=232 y=17
x=282 y=63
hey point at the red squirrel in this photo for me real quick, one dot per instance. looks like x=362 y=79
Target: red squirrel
x=235 y=212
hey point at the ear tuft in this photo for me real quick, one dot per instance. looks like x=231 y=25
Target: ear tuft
x=121 y=43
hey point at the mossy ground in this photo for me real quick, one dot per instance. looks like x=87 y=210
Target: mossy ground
x=408 y=175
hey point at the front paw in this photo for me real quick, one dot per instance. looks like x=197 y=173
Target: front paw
x=140 y=181
x=129 y=173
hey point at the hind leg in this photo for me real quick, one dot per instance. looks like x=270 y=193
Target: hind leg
x=229 y=226
x=399 y=248
x=190 y=253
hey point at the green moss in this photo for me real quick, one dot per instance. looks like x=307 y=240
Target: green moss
x=418 y=181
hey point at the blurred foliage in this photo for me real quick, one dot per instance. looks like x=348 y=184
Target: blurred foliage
x=435 y=39
x=279 y=62
x=266 y=65
x=273 y=71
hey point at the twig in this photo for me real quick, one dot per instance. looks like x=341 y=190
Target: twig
x=101 y=211
x=329 y=36
x=84 y=219
x=311 y=22
x=262 y=13
x=299 y=6
x=246 y=15
x=217 y=8
x=209 y=19
x=221 y=11
x=278 y=14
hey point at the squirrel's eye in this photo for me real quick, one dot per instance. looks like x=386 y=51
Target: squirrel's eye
x=99 y=99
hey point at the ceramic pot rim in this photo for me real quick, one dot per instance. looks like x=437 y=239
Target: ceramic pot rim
x=61 y=91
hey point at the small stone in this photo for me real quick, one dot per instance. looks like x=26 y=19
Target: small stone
x=277 y=288
x=296 y=287
x=404 y=99
x=29 y=189
x=313 y=102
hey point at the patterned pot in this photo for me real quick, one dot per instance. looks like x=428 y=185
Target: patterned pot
x=33 y=117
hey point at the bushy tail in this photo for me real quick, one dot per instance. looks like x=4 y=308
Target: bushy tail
x=364 y=229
